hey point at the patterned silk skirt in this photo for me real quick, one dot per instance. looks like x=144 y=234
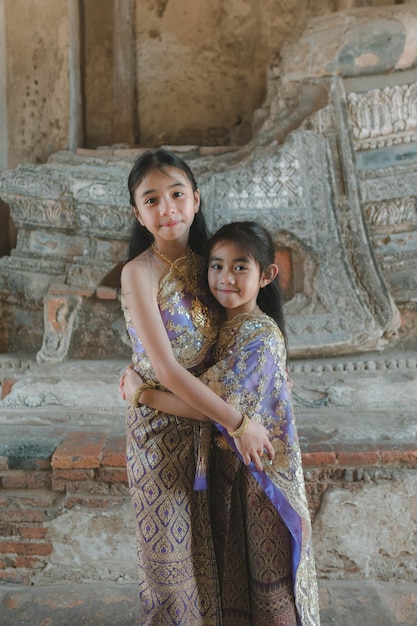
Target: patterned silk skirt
x=253 y=548
x=178 y=580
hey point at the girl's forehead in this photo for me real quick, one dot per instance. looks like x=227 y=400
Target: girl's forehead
x=230 y=248
x=167 y=175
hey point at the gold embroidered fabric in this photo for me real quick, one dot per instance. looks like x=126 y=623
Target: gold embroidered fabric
x=178 y=581
x=253 y=529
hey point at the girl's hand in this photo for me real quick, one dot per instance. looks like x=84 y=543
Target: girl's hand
x=129 y=381
x=253 y=444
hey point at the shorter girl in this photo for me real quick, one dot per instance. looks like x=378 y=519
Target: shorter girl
x=261 y=523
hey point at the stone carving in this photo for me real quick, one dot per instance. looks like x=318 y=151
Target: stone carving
x=60 y=312
x=288 y=188
x=73 y=225
x=397 y=213
x=383 y=117
x=318 y=177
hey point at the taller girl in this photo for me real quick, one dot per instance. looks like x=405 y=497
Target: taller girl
x=173 y=323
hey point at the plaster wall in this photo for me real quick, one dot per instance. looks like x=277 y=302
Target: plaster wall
x=37 y=78
x=201 y=69
x=367 y=533
x=207 y=63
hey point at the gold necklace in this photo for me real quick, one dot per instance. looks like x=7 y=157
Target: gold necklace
x=229 y=330
x=161 y=256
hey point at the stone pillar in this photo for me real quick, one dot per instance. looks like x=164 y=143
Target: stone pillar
x=4 y=137
x=124 y=74
x=76 y=130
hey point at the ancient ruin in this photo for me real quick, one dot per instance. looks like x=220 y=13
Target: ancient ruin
x=331 y=170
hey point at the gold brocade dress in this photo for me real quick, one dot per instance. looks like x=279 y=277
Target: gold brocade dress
x=178 y=581
x=261 y=523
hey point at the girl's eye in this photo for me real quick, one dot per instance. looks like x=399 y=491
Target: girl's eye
x=150 y=200
x=240 y=268
x=178 y=194
x=215 y=266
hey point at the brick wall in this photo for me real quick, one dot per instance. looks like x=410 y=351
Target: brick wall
x=45 y=475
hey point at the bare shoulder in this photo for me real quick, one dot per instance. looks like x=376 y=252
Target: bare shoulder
x=134 y=266
x=140 y=272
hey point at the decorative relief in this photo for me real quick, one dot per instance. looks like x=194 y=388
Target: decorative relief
x=41 y=211
x=104 y=220
x=19 y=400
x=289 y=188
x=396 y=214
x=44 y=267
x=111 y=192
x=356 y=365
x=60 y=314
x=358 y=383
x=268 y=182
x=26 y=180
x=389 y=183
x=383 y=117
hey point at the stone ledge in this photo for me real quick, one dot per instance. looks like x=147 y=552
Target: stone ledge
x=93 y=449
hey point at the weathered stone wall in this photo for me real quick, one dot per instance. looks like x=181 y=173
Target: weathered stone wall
x=207 y=62
x=336 y=133
x=37 y=78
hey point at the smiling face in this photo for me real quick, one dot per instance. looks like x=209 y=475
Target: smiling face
x=166 y=205
x=234 y=278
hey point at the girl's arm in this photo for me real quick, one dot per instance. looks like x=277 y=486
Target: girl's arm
x=159 y=400
x=139 y=281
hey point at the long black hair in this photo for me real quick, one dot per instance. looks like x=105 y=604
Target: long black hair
x=159 y=160
x=256 y=242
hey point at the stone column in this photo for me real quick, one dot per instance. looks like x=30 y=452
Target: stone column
x=76 y=130
x=125 y=127
x=4 y=138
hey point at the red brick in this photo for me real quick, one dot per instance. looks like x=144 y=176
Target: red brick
x=15 y=576
x=24 y=547
x=20 y=561
x=314 y=459
x=74 y=474
x=404 y=453
x=8 y=529
x=29 y=562
x=27 y=499
x=18 y=479
x=79 y=450
x=59 y=485
x=358 y=454
x=33 y=532
x=114 y=451
x=7 y=386
x=24 y=515
x=283 y=259
x=99 y=502
x=85 y=486
x=112 y=475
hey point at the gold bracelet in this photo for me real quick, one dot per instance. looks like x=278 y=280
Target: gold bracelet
x=149 y=384
x=242 y=428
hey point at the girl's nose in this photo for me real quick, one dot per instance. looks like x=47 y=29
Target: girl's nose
x=227 y=277
x=166 y=206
